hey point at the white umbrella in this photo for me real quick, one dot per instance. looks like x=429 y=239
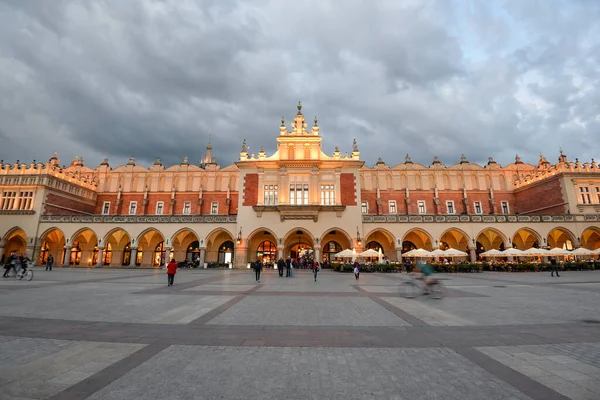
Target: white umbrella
x=511 y=251
x=344 y=253
x=380 y=255
x=581 y=251
x=369 y=253
x=536 y=252
x=597 y=251
x=438 y=253
x=492 y=253
x=557 y=251
x=455 y=253
x=417 y=253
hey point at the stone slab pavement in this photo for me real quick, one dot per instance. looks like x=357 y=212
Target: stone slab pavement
x=123 y=334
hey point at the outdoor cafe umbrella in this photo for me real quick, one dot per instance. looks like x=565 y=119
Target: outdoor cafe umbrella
x=455 y=253
x=597 y=251
x=581 y=251
x=418 y=253
x=344 y=253
x=492 y=253
x=535 y=252
x=557 y=251
x=511 y=251
x=369 y=253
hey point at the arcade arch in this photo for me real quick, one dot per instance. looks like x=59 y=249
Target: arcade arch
x=117 y=248
x=150 y=248
x=260 y=241
x=562 y=238
x=83 y=248
x=456 y=239
x=526 y=238
x=381 y=239
x=590 y=238
x=52 y=243
x=220 y=247
x=299 y=244
x=489 y=239
x=415 y=239
x=15 y=240
x=333 y=241
x=185 y=245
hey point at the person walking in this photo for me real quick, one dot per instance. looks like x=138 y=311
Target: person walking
x=171 y=271
x=356 y=270
x=315 y=269
x=49 y=263
x=280 y=266
x=11 y=262
x=257 y=268
x=288 y=267
x=293 y=266
x=554 y=267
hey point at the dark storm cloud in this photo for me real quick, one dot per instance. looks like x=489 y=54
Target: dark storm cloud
x=152 y=78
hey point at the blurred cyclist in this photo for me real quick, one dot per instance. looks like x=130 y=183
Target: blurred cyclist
x=424 y=272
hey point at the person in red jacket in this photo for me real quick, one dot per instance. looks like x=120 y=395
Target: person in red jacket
x=171 y=271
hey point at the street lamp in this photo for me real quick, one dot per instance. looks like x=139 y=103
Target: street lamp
x=239 y=238
x=358 y=240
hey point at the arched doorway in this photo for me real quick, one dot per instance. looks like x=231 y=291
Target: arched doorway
x=267 y=252
x=299 y=246
x=384 y=240
x=193 y=251
x=407 y=245
x=116 y=243
x=455 y=239
x=220 y=248
x=561 y=238
x=151 y=248
x=126 y=257
x=419 y=239
x=53 y=243
x=84 y=248
x=255 y=240
x=330 y=249
x=158 y=259
x=185 y=245
x=225 y=256
x=489 y=239
x=590 y=238
x=16 y=240
x=525 y=238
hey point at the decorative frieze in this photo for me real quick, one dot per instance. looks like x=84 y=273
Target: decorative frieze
x=17 y=212
x=145 y=219
x=488 y=219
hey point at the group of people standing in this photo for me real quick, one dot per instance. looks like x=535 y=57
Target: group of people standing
x=288 y=265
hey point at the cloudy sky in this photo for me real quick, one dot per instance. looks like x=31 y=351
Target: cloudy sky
x=149 y=78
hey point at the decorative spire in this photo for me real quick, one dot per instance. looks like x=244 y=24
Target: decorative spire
x=491 y=160
x=354 y=146
x=463 y=159
x=244 y=146
x=282 y=121
x=299 y=108
x=131 y=161
x=157 y=161
x=316 y=121
x=407 y=159
x=518 y=160
x=186 y=160
x=436 y=160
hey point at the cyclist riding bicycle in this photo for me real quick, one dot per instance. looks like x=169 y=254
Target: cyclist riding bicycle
x=425 y=272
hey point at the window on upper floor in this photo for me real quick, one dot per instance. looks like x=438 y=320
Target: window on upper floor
x=364 y=207
x=132 y=207
x=505 y=209
x=478 y=209
x=271 y=194
x=106 y=208
x=8 y=200
x=450 y=206
x=25 y=201
x=584 y=195
x=298 y=194
x=327 y=195
x=160 y=207
x=422 y=207
x=392 y=207
x=187 y=207
x=214 y=207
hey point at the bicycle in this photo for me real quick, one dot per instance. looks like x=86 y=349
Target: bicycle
x=26 y=272
x=413 y=288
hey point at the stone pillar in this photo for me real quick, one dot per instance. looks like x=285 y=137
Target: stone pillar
x=279 y=252
x=399 y=255
x=133 y=257
x=473 y=254
x=100 y=257
x=240 y=260
x=202 y=257
x=318 y=255
x=167 y=256
x=67 y=256
x=30 y=252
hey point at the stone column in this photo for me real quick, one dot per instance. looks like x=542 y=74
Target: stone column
x=30 y=252
x=133 y=257
x=399 y=255
x=100 y=257
x=473 y=254
x=318 y=255
x=67 y=256
x=1 y=251
x=167 y=256
x=240 y=260
x=202 y=257
x=279 y=252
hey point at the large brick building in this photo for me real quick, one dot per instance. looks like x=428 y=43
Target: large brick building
x=295 y=201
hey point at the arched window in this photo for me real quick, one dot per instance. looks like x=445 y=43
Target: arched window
x=107 y=255
x=267 y=252
x=126 y=254
x=225 y=253
x=373 y=245
x=193 y=251
x=75 y=254
x=159 y=254
x=330 y=249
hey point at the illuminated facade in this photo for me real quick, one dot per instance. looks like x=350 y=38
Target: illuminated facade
x=296 y=201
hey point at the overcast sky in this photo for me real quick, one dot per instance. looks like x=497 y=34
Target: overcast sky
x=149 y=78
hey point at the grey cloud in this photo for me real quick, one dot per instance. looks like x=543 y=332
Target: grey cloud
x=145 y=78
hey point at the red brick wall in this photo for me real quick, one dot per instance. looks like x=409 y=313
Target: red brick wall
x=348 y=189
x=112 y=197
x=251 y=190
x=54 y=204
x=547 y=197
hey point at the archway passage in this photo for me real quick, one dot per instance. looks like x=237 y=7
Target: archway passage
x=52 y=244
x=220 y=250
x=489 y=239
x=455 y=239
x=525 y=239
x=590 y=238
x=16 y=240
x=330 y=249
x=267 y=252
x=561 y=238
x=262 y=245
x=419 y=239
x=299 y=246
x=151 y=248
x=116 y=244
x=383 y=240
x=185 y=246
x=333 y=241
x=84 y=248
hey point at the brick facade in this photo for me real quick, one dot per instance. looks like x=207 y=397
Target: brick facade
x=541 y=198
x=251 y=190
x=60 y=205
x=348 y=189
